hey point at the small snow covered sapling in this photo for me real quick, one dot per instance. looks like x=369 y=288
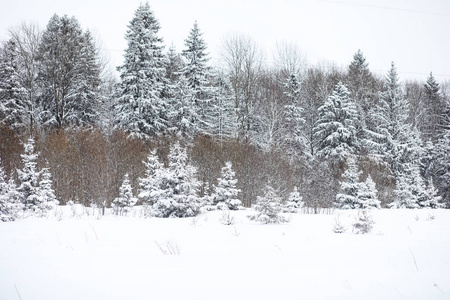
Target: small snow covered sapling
x=225 y=194
x=268 y=208
x=338 y=227
x=294 y=202
x=125 y=202
x=363 y=223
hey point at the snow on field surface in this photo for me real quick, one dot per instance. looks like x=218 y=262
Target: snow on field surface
x=406 y=256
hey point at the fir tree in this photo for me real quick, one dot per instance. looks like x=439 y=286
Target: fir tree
x=28 y=189
x=410 y=188
x=225 y=194
x=335 y=129
x=180 y=187
x=6 y=205
x=394 y=137
x=140 y=108
x=350 y=187
x=150 y=186
x=431 y=197
x=174 y=66
x=363 y=223
x=294 y=202
x=13 y=105
x=441 y=155
x=433 y=109
x=294 y=117
x=126 y=201
x=198 y=74
x=46 y=193
x=367 y=194
x=361 y=85
x=69 y=75
x=268 y=208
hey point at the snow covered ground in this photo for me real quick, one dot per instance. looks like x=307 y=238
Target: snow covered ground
x=406 y=256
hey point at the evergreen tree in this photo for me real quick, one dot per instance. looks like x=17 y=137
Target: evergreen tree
x=268 y=208
x=126 y=201
x=198 y=75
x=46 y=192
x=294 y=117
x=335 y=130
x=367 y=194
x=432 y=198
x=174 y=66
x=6 y=205
x=183 y=114
x=225 y=194
x=140 y=108
x=433 y=109
x=180 y=187
x=88 y=99
x=150 y=186
x=410 y=188
x=13 y=105
x=361 y=84
x=441 y=155
x=393 y=133
x=350 y=187
x=294 y=202
x=69 y=75
x=29 y=192
x=404 y=195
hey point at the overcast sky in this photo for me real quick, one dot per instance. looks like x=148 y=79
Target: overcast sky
x=415 y=34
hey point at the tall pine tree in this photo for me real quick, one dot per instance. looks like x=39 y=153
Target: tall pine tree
x=198 y=75
x=140 y=108
x=335 y=129
x=69 y=74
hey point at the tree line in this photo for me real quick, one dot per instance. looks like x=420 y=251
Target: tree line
x=289 y=124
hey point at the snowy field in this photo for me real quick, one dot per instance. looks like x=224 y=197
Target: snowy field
x=406 y=256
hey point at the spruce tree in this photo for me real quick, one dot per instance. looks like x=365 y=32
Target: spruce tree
x=6 y=203
x=126 y=200
x=29 y=192
x=268 y=208
x=441 y=155
x=225 y=195
x=179 y=197
x=350 y=187
x=367 y=194
x=46 y=192
x=198 y=75
x=433 y=109
x=294 y=202
x=69 y=75
x=335 y=130
x=140 y=108
x=294 y=121
x=393 y=133
x=361 y=85
x=150 y=185
x=13 y=105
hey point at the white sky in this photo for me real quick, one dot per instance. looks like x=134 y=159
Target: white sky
x=415 y=34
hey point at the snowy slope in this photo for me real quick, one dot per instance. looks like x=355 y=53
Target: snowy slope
x=405 y=257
